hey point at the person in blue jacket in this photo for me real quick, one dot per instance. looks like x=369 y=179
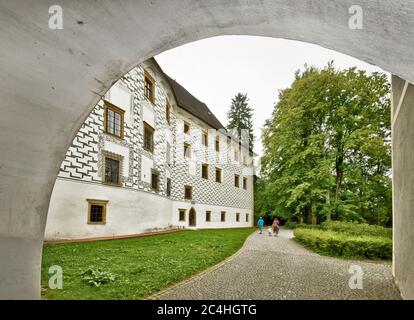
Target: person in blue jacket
x=260 y=224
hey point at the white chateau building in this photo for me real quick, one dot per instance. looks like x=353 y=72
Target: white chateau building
x=149 y=157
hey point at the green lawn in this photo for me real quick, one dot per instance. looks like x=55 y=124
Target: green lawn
x=141 y=266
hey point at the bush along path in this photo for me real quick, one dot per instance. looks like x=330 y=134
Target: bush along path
x=279 y=268
x=347 y=240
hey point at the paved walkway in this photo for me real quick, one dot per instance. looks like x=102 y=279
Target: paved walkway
x=279 y=268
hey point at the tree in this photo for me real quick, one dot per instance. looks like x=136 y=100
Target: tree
x=327 y=147
x=240 y=117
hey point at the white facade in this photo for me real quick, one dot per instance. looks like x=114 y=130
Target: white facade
x=133 y=206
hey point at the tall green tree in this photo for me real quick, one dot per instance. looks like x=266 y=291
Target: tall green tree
x=327 y=147
x=240 y=117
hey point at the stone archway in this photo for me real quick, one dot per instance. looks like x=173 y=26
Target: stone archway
x=51 y=79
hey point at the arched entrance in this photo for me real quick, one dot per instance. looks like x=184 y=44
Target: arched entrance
x=59 y=75
x=192 y=218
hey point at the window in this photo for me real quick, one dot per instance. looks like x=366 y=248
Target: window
x=168 y=112
x=204 y=171
x=236 y=155
x=208 y=216
x=245 y=160
x=181 y=213
x=218 y=175
x=113 y=120
x=97 y=211
x=155 y=181
x=149 y=89
x=218 y=144
x=245 y=183
x=236 y=180
x=148 y=137
x=168 y=187
x=187 y=150
x=237 y=217
x=186 y=127
x=205 y=139
x=112 y=170
x=188 y=192
x=247 y=217
x=223 y=216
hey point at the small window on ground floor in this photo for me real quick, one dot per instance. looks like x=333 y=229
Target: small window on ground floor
x=208 y=216
x=247 y=217
x=97 y=211
x=223 y=216
x=181 y=213
x=237 y=217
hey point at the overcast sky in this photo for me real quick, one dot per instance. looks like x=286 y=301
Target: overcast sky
x=214 y=70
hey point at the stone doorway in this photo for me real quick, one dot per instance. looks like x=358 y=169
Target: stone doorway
x=192 y=218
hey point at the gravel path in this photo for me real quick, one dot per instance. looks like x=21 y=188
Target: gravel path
x=279 y=268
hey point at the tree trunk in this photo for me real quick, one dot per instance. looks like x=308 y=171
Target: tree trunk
x=328 y=202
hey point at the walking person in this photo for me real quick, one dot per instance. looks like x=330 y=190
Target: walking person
x=260 y=224
x=275 y=226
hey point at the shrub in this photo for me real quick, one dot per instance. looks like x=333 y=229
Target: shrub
x=97 y=277
x=295 y=225
x=357 y=229
x=344 y=244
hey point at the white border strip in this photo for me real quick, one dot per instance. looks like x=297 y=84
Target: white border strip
x=400 y=102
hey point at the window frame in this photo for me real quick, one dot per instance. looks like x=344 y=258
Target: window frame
x=208 y=216
x=147 y=126
x=95 y=202
x=244 y=183
x=157 y=174
x=237 y=216
x=204 y=165
x=184 y=212
x=115 y=109
x=204 y=138
x=237 y=180
x=151 y=80
x=114 y=157
x=189 y=155
x=221 y=175
x=168 y=188
x=186 y=187
x=186 y=125
x=217 y=144
x=223 y=216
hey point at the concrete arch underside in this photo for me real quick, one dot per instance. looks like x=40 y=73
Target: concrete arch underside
x=51 y=79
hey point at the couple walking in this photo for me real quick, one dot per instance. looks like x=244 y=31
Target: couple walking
x=274 y=228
